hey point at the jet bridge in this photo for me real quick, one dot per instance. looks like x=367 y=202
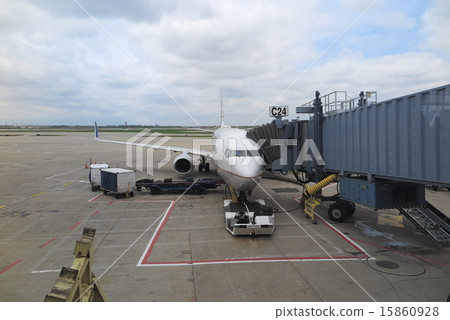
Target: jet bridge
x=383 y=152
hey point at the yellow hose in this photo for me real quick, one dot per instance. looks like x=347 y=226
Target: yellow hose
x=319 y=185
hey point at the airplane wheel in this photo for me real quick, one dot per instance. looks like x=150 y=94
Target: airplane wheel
x=337 y=212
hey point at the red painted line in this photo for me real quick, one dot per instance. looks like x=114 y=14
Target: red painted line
x=158 y=232
x=346 y=239
x=144 y=260
x=48 y=242
x=340 y=234
x=95 y=213
x=243 y=260
x=95 y=198
x=403 y=253
x=7 y=268
x=110 y=203
x=76 y=224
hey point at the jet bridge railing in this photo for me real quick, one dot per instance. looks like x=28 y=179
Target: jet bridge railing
x=339 y=101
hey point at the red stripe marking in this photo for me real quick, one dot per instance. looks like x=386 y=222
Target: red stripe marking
x=95 y=213
x=48 y=242
x=346 y=239
x=155 y=239
x=110 y=203
x=161 y=227
x=7 y=268
x=274 y=259
x=76 y=224
x=95 y=198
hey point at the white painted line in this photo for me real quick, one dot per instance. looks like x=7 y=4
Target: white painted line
x=347 y=239
x=151 y=243
x=245 y=261
x=44 y=271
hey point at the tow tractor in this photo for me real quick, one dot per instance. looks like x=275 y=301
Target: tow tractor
x=247 y=218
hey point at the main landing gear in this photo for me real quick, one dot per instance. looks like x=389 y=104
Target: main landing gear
x=203 y=165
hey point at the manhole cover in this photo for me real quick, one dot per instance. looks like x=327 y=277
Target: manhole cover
x=387 y=264
x=396 y=264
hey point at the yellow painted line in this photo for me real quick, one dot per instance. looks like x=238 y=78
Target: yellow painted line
x=1 y=207
x=37 y=194
x=67 y=184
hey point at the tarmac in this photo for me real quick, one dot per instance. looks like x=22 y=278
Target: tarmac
x=173 y=247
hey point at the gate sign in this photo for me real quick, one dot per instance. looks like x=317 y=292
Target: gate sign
x=278 y=111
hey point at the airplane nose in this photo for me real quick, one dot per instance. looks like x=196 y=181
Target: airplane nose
x=250 y=169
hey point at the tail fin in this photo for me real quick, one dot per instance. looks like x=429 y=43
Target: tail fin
x=222 y=122
x=96 y=131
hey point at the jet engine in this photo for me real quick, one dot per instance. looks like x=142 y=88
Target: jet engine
x=183 y=164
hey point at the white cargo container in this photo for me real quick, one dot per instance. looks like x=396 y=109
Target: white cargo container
x=95 y=177
x=118 y=181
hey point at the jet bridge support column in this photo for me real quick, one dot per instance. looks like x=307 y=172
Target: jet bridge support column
x=318 y=133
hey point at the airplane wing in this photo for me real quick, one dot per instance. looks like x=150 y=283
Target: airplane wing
x=201 y=129
x=208 y=155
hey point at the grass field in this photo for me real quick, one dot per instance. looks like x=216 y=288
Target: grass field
x=52 y=130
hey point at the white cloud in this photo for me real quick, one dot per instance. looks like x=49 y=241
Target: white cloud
x=57 y=66
x=436 y=26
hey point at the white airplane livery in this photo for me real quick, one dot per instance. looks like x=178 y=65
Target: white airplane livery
x=235 y=156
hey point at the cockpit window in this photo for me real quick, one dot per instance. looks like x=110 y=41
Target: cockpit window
x=241 y=153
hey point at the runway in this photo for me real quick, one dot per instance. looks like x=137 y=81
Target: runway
x=173 y=247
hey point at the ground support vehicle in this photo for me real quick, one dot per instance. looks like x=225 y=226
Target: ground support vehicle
x=199 y=186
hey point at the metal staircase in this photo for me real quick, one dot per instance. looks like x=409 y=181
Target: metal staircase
x=431 y=222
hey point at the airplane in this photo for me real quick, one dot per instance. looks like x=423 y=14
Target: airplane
x=234 y=155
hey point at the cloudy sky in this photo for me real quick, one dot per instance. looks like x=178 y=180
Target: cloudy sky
x=166 y=62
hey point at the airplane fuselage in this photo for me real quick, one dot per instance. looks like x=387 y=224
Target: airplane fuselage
x=235 y=156
x=237 y=159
